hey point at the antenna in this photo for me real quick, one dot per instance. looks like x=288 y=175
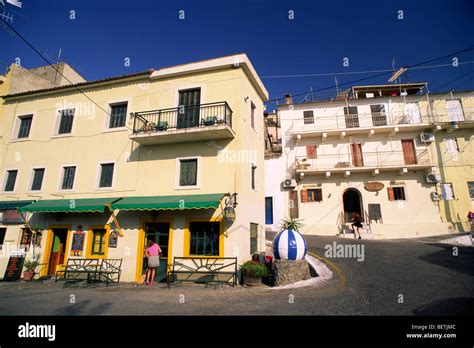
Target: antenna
x=57 y=62
x=337 y=85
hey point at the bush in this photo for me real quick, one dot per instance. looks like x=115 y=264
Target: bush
x=254 y=269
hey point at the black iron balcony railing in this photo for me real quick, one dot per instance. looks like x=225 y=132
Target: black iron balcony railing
x=380 y=159
x=181 y=117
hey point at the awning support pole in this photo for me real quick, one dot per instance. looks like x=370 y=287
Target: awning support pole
x=112 y=214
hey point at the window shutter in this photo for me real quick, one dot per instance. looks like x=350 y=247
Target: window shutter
x=391 y=195
x=293 y=204
x=304 y=196
x=311 y=152
x=319 y=195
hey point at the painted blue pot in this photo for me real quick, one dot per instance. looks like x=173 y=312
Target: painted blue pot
x=289 y=245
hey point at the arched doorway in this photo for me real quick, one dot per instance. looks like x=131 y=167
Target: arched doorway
x=352 y=202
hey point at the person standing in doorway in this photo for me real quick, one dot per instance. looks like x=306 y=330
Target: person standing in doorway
x=357 y=224
x=153 y=252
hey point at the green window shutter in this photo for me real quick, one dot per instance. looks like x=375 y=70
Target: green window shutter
x=38 y=175
x=65 y=124
x=11 y=179
x=118 y=114
x=106 y=175
x=188 y=172
x=25 y=126
x=68 y=178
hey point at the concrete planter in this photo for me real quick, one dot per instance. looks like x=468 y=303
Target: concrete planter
x=251 y=281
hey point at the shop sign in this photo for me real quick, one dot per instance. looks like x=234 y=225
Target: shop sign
x=113 y=239
x=229 y=214
x=374 y=186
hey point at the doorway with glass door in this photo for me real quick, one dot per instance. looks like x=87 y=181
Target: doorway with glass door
x=159 y=232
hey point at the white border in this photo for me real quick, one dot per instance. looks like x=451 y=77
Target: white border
x=61 y=177
x=99 y=172
x=5 y=177
x=178 y=172
x=16 y=126
x=30 y=181
x=57 y=122
x=108 y=107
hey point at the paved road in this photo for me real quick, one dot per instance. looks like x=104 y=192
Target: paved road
x=427 y=275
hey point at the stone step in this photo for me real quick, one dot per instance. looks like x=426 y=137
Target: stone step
x=362 y=235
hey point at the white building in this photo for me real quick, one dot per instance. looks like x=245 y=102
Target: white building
x=361 y=152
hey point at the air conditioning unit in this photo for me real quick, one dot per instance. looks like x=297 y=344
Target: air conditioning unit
x=287 y=183
x=427 y=137
x=432 y=178
x=435 y=196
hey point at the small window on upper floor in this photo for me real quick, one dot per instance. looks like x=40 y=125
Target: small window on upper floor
x=118 y=115
x=69 y=173
x=24 y=126
x=10 y=180
x=396 y=193
x=38 y=175
x=451 y=145
x=66 y=119
x=106 y=175
x=188 y=171
x=308 y=117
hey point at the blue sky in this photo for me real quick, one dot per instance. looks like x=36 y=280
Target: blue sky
x=321 y=34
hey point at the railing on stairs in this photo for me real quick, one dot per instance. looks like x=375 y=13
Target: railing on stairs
x=367 y=222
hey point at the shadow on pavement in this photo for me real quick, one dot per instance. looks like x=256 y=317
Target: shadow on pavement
x=80 y=309
x=461 y=263
x=448 y=306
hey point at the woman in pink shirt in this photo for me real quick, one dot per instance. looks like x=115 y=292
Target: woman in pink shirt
x=153 y=252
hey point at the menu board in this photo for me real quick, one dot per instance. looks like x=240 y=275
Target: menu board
x=77 y=243
x=14 y=268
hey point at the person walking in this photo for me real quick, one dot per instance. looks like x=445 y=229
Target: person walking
x=357 y=224
x=153 y=252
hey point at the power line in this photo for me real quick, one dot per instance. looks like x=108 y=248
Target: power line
x=359 y=72
x=470 y=48
x=54 y=67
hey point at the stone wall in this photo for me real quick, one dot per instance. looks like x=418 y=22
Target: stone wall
x=287 y=272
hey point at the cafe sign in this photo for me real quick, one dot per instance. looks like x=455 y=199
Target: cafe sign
x=12 y=217
x=374 y=186
x=229 y=214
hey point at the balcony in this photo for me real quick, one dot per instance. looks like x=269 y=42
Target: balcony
x=452 y=119
x=374 y=162
x=202 y=122
x=360 y=123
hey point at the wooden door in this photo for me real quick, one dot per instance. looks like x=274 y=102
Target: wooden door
x=188 y=110
x=409 y=154
x=357 y=158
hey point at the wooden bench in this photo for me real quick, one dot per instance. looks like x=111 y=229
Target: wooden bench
x=203 y=270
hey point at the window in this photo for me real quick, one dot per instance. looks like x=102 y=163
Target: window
x=3 y=232
x=66 y=119
x=253 y=174
x=68 y=178
x=25 y=240
x=455 y=111
x=351 y=116
x=188 y=172
x=11 y=179
x=451 y=145
x=118 y=114
x=25 y=125
x=470 y=187
x=311 y=195
x=379 y=118
x=447 y=192
x=252 y=115
x=308 y=117
x=98 y=241
x=106 y=174
x=311 y=152
x=253 y=238
x=396 y=193
x=204 y=238
x=38 y=174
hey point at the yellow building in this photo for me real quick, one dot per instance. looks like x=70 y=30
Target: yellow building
x=166 y=149
x=453 y=149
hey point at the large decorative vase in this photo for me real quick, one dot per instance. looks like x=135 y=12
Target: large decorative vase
x=289 y=245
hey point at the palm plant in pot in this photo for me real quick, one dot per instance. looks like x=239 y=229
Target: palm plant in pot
x=30 y=267
x=253 y=272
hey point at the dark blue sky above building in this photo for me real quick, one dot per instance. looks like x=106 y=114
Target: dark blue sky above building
x=318 y=39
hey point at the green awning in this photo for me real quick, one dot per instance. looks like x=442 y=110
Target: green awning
x=78 y=205
x=169 y=202
x=6 y=205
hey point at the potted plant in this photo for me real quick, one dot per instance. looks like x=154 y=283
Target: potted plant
x=253 y=272
x=30 y=267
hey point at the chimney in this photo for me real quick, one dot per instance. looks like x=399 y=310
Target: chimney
x=288 y=99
